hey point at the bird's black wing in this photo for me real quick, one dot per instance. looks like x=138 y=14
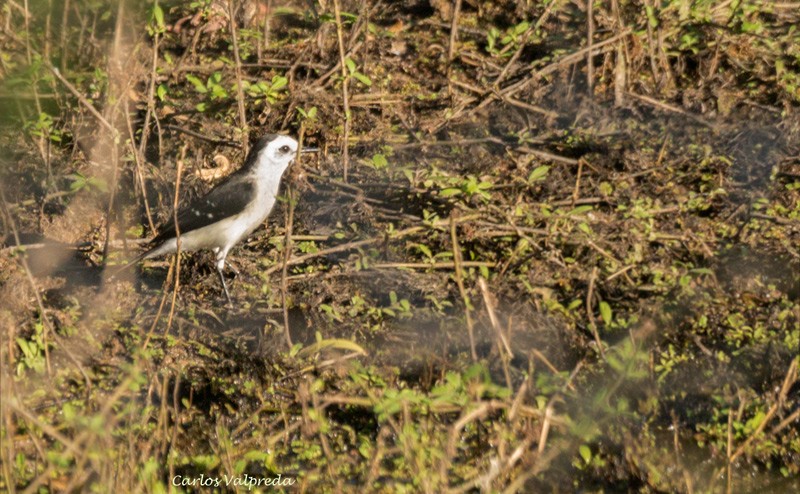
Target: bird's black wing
x=227 y=199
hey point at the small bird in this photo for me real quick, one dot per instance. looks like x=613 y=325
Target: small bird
x=231 y=210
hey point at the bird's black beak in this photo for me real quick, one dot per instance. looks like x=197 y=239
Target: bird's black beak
x=309 y=150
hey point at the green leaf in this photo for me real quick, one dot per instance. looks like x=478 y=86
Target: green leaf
x=338 y=343
x=98 y=183
x=158 y=16
x=199 y=86
x=279 y=82
x=424 y=249
x=218 y=92
x=580 y=210
x=491 y=39
x=256 y=455
x=575 y=304
x=538 y=174
x=651 y=17
x=365 y=448
x=379 y=160
x=362 y=78
x=755 y=422
x=78 y=182
x=521 y=27
x=351 y=65
x=605 y=312
x=26 y=349
x=585 y=452
x=450 y=192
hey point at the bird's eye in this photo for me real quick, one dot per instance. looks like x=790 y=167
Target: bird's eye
x=284 y=149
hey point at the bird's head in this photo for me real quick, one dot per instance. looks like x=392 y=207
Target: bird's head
x=272 y=154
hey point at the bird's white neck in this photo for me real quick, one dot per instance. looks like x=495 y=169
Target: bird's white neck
x=268 y=170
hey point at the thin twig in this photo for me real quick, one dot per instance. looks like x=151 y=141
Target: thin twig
x=238 y=72
x=459 y=275
x=670 y=108
x=361 y=243
x=729 y=451
x=518 y=86
x=116 y=92
x=548 y=418
x=218 y=142
x=490 y=309
x=524 y=41
x=451 y=49
x=287 y=254
x=175 y=201
x=345 y=89
x=589 y=43
x=138 y=161
x=565 y=61
x=590 y=316
x=576 y=192
x=431 y=265
x=788 y=382
x=81 y=98
x=111 y=197
x=151 y=102
x=156 y=318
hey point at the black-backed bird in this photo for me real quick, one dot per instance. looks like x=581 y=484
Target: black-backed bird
x=231 y=210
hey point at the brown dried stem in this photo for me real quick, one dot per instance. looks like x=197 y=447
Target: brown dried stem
x=238 y=72
x=345 y=90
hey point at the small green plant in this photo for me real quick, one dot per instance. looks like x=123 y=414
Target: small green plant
x=33 y=355
x=511 y=37
x=156 y=24
x=347 y=18
x=352 y=69
x=43 y=127
x=81 y=182
x=668 y=360
x=538 y=174
x=212 y=88
x=468 y=186
x=309 y=115
x=378 y=161
x=266 y=92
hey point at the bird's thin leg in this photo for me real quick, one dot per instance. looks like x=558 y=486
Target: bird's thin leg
x=220 y=266
x=225 y=287
x=232 y=268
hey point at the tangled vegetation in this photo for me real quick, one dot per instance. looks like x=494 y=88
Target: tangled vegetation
x=545 y=247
